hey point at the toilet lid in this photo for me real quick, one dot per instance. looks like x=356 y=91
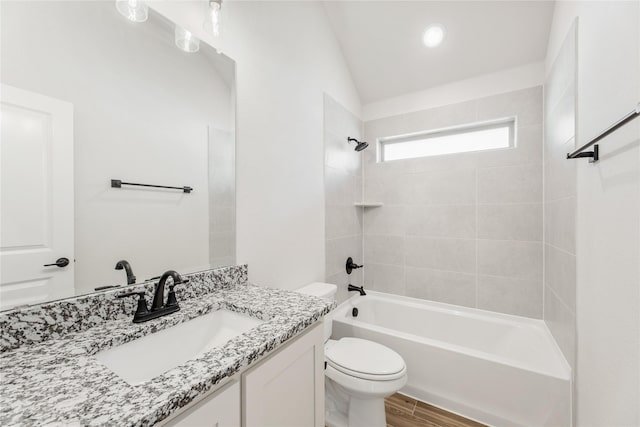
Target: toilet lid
x=363 y=358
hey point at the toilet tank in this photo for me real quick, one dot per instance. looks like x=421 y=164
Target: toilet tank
x=325 y=291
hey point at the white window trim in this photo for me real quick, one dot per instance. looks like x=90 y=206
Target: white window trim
x=511 y=121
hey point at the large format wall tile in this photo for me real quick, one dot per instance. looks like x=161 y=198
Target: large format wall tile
x=560 y=223
x=562 y=324
x=442 y=187
x=385 y=278
x=440 y=253
x=388 y=221
x=441 y=221
x=528 y=149
x=560 y=274
x=342 y=221
x=509 y=295
x=510 y=184
x=560 y=179
x=510 y=222
x=524 y=104
x=443 y=286
x=384 y=249
x=458 y=216
x=343 y=187
x=337 y=252
x=513 y=259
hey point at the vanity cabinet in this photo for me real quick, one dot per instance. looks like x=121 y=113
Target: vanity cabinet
x=285 y=389
x=219 y=409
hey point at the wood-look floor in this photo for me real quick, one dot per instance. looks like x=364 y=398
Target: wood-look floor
x=403 y=411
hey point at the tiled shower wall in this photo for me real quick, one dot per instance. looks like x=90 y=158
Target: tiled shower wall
x=343 y=188
x=464 y=228
x=560 y=178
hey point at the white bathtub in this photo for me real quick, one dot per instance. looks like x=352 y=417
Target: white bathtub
x=497 y=369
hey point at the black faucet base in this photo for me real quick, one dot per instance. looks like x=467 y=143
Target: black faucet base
x=150 y=315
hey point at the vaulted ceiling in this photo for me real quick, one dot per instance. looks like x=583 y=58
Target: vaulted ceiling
x=382 y=41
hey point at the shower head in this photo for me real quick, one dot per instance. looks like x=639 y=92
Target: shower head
x=360 y=145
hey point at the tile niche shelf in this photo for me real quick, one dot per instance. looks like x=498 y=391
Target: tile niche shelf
x=368 y=204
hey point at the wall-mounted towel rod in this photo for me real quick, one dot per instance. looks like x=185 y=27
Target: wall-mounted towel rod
x=116 y=183
x=594 y=155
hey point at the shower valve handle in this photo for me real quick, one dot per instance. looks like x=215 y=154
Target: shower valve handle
x=350 y=265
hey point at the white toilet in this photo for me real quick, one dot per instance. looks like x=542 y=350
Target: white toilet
x=359 y=374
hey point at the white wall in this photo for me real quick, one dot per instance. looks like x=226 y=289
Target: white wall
x=286 y=58
x=608 y=212
x=504 y=81
x=141 y=110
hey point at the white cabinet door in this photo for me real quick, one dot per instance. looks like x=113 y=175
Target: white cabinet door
x=36 y=204
x=221 y=409
x=287 y=389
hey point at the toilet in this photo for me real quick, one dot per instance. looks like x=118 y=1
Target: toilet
x=359 y=374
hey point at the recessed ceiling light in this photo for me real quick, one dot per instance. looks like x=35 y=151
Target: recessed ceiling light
x=433 y=36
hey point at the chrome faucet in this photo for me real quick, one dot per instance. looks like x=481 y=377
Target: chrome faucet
x=158 y=307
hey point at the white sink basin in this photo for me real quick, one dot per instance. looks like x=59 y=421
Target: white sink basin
x=147 y=357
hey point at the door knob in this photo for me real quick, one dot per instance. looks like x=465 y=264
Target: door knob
x=60 y=262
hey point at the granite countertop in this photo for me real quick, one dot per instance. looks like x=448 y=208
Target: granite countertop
x=60 y=382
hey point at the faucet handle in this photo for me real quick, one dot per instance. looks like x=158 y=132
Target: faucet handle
x=171 y=297
x=350 y=265
x=142 y=303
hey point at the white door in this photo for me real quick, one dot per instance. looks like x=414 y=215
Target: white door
x=36 y=199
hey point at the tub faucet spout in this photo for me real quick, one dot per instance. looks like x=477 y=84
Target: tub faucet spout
x=357 y=289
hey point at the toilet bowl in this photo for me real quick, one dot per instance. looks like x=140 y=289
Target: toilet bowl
x=359 y=374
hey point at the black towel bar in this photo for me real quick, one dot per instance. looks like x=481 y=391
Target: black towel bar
x=594 y=155
x=116 y=183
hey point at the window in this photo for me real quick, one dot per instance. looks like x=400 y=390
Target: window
x=461 y=139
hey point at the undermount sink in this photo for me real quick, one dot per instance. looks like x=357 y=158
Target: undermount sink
x=145 y=358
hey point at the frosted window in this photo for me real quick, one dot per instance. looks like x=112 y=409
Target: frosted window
x=463 y=139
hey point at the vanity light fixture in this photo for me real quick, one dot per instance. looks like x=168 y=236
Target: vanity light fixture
x=212 y=21
x=186 y=41
x=133 y=10
x=433 y=36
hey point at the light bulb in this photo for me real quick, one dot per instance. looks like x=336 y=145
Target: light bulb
x=212 y=21
x=186 y=41
x=133 y=10
x=433 y=36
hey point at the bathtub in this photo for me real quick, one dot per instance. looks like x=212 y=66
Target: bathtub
x=497 y=369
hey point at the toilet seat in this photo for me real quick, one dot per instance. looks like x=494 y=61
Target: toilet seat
x=365 y=359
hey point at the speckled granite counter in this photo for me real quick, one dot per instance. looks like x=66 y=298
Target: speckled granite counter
x=59 y=382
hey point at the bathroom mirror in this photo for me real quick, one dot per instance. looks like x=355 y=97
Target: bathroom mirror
x=90 y=99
